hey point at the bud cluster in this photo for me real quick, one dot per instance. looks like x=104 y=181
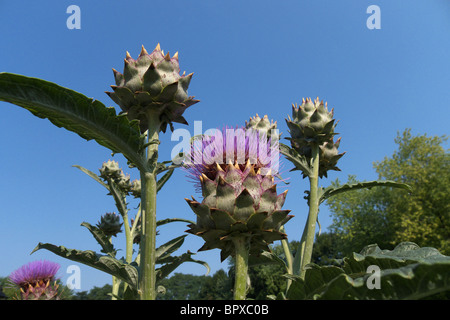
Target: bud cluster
x=110 y=171
x=312 y=124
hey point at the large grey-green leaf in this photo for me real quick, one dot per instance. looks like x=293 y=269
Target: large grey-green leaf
x=120 y=269
x=407 y=272
x=66 y=108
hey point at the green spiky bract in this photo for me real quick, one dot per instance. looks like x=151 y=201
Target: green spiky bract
x=152 y=83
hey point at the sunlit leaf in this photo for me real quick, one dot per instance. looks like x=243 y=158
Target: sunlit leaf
x=119 y=269
x=71 y=110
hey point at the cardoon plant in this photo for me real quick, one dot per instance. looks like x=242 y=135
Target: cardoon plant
x=314 y=153
x=240 y=213
x=152 y=91
x=36 y=280
x=152 y=94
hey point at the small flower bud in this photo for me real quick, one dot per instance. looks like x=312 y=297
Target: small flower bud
x=110 y=169
x=110 y=224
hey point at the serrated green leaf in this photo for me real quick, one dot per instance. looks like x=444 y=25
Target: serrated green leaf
x=162 y=181
x=119 y=198
x=119 y=269
x=92 y=175
x=168 y=248
x=331 y=191
x=170 y=220
x=71 y=110
x=171 y=263
x=298 y=160
x=267 y=258
x=102 y=239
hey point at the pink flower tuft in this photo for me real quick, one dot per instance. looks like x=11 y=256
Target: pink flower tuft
x=238 y=146
x=34 y=273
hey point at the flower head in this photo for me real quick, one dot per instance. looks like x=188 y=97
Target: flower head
x=152 y=83
x=35 y=280
x=233 y=169
x=241 y=147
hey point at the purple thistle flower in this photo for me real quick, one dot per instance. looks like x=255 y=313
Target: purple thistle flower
x=234 y=169
x=34 y=279
x=239 y=146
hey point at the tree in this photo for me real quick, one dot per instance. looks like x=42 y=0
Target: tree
x=389 y=216
x=217 y=287
x=96 y=293
x=326 y=249
x=424 y=216
x=182 y=287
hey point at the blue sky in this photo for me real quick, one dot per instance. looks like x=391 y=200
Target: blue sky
x=248 y=57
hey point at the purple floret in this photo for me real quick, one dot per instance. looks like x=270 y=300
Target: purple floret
x=240 y=145
x=34 y=273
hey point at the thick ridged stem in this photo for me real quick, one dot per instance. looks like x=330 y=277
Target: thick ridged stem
x=147 y=279
x=304 y=251
x=241 y=267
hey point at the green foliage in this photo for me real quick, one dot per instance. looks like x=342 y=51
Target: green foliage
x=326 y=249
x=217 y=287
x=424 y=217
x=325 y=193
x=181 y=287
x=66 y=108
x=386 y=216
x=360 y=217
x=407 y=272
x=266 y=280
x=118 y=268
x=190 y=287
x=266 y=273
x=96 y=293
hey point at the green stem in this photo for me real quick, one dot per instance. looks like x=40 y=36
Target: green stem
x=115 y=283
x=115 y=288
x=129 y=239
x=288 y=255
x=240 y=283
x=128 y=243
x=304 y=251
x=147 y=279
